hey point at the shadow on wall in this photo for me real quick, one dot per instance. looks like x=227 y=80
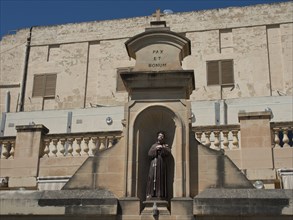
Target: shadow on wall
x=103 y=171
x=215 y=169
x=208 y=168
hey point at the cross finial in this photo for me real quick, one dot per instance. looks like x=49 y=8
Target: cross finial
x=158 y=14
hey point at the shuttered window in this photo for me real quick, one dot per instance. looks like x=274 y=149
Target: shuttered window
x=44 y=85
x=220 y=72
x=119 y=84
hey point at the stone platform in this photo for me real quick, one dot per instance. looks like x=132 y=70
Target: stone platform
x=244 y=203
x=156 y=207
x=228 y=204
x=58 y=203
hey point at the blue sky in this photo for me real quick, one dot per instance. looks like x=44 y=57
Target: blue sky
x=17 y=14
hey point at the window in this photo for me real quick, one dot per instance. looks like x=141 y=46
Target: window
x=119 y=84
x=220 y=72
x=44 y=85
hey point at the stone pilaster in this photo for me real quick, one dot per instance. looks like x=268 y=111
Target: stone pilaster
x=256 y=145
x=27 y=153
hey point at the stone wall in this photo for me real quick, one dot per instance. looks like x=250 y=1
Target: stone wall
x=12 y=49
x=94 y=119
x=86 y=55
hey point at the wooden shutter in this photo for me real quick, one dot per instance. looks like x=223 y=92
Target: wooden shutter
x=50 y=87
x=44 y=85
x=227 y=72
x=39 y=85
x=213 y=73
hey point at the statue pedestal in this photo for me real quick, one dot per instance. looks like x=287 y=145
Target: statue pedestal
x=161 y=207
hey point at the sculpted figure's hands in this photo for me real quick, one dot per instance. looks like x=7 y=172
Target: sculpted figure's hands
x=159 y=147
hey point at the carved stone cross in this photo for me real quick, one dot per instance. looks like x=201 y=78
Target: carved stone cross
x=158 y=14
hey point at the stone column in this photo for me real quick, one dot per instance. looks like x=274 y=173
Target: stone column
x=27 y=153
x=256 y=145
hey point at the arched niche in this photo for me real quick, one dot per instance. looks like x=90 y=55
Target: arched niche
x=145 y=128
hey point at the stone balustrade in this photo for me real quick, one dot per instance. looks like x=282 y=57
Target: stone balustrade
x=282 y=133
x=60 y=145
x=81 y=144
x=224 y=137
x=7 y=147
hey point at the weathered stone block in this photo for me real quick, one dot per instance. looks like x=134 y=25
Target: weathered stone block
x=243 y=202
x=181 y=206
x=129 y=206
x=19 y=182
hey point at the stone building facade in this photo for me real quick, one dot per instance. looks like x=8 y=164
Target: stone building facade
x=80 y=103
x=257 y=39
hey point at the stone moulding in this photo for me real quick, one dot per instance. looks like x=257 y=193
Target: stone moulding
x=149 y=80
x=159 y=36
x=244 y=202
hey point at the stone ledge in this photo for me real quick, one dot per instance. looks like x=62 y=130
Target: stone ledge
x=65 y=202
x=254 y=115
x=77 y=197
x=243 y=202
x=32 y=128
x=163 y=81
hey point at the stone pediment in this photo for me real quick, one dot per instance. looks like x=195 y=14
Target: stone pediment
x=158 y=49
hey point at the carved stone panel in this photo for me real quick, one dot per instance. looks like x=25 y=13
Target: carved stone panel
x=158 y=57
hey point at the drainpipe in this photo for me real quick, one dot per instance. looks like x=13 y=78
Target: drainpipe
x=7 y=102
x=25 y=70
x=3 y=118
x=86 y=75
x=224 y=112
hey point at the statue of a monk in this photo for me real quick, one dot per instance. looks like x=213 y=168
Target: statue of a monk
x=157 y=179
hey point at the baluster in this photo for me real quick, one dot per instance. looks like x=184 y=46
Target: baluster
x=276 y=137
x=77 y=148
x=207 y=141
x=5 y=152
x=198 y=135
x=70 y=148
x=285 y=137
x=110 y=141
x=102 y=143
x=54 y=148
x=117 y=139
x=61 y=149
x=85 y=149
x=235 y=142
x=46 y=149
x=290 y=130
x=225 y=141
x=94 y=146
x=217 y=139
x=12 y=150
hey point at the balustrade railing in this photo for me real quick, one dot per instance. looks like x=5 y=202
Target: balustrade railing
x=219 y=137
x=7 y=147
x=224 y=137
x=81 y=144
x=282 y=133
